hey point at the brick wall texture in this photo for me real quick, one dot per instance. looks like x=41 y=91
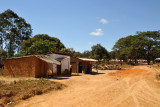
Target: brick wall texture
x=26 y=67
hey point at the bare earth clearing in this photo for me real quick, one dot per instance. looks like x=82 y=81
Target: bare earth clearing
x=122 y=89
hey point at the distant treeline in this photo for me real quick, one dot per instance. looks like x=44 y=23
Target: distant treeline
x=143 y=45
x=16 y=40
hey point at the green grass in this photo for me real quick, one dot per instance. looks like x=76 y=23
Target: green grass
x=24 y=89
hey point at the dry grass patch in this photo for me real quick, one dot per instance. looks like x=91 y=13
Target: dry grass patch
x=11 y=93
x=157 y=69
x=1 y=71
x=158 y=76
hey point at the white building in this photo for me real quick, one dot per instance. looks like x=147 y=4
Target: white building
x=63 y=59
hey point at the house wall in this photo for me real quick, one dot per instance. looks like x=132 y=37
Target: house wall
x=75 y=62
x=84 y=64
x=75 y=65
x=157 y=61
x=65 y=63
x=41 y=68
x=20 y=67
x=52 y=69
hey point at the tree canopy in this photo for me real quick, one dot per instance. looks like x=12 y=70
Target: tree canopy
x=41 y=44
x=143 y=45
x=13 y=31
x=99 y=52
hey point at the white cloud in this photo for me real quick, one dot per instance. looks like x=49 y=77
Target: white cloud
x=90 y=43
x=98 y=32
x=104 y=21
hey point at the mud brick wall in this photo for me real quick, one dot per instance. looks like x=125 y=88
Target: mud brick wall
x=75 y=65
x=41 y=68
x=24 y=66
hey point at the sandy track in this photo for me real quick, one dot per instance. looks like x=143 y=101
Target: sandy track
x=102 y=90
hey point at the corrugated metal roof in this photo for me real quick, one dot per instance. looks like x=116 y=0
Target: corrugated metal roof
x=20 y=57
x=48 y=59
x=157 y=59
x=88 y=59
x=45 y=58
x=60 y=58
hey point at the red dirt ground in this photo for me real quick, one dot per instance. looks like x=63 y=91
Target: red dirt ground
x=130 y=72
x=102 y=90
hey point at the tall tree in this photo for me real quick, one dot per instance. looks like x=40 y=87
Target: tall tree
x=152 y=40
x=3 y=54
x=122 y=48
x=13 y=31
x=143 y=45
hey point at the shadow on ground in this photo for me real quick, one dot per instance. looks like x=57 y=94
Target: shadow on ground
x=62 y=77
x=95 y=73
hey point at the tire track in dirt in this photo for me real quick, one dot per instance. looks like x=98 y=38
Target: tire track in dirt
x=128 y=92
x=100 y=91
x=147 y=96
x=138 y=90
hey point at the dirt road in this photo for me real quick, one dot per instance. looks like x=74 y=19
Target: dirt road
x=103 y=90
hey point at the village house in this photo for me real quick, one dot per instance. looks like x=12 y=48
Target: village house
x=29 y=66
x=64 y=59
x=157 y=60
x=82 y=65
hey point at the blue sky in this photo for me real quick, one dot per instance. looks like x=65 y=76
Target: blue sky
x=80 y=24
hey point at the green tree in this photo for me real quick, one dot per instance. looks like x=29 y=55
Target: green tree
x=143 y=45
x=13 y=31
x=130 y=47
x=121 y=48
x=99 y=52
x=152 y=40
x=41 y=44
x=112 y=54
x=78 y=54
x=155 y=53
x=69 y=51
x=3 y=54
x=86 y=54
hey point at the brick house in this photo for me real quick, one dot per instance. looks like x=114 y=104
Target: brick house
x=29 y=66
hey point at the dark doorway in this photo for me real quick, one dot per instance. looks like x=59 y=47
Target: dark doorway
x=80 y=67
x=58 y=69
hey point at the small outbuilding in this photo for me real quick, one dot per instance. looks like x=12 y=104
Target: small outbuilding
x=80 y=65
x=157 y=60
x=29 y=66
x=64 y=60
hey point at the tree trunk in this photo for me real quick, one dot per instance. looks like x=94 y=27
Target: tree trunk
x=148 y=58
x=135 y=61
